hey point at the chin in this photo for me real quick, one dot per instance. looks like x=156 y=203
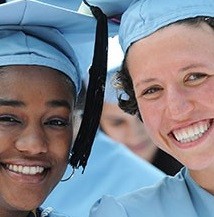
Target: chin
x=200 y=164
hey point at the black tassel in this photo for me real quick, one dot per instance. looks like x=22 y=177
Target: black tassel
x=95 y=93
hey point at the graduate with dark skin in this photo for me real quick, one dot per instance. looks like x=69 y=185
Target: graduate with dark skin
x=39 y=83
x=35 y=134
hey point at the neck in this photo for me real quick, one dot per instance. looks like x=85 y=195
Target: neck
x=204 y=178
x=12 y=213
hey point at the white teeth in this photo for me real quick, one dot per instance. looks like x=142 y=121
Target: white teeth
x=192 y=132
x=27 y=170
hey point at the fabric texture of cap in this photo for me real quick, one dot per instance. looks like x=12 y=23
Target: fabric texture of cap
x=147 y=16
x=36 y=33
x=70 y=4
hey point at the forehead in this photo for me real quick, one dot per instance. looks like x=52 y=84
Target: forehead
x=177 y=42
x=31 y=70
x=31 y=78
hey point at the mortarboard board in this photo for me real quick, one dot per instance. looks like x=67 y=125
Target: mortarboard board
x=69 y=4
x=38 y=33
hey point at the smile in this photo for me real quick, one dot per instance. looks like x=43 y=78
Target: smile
x=26 y=170
x=191 y=133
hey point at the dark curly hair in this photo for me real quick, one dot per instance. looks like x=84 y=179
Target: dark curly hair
x=123 y=80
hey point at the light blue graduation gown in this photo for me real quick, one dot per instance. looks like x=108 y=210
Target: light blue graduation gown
x=177 y=196
x=112 y=169
x=50 y=212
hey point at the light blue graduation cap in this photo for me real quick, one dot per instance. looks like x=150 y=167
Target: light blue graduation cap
x=147 y=16
x=36 y=33
x=69 y=4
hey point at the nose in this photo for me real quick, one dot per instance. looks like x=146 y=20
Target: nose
x=179 y=103
x=32 y=140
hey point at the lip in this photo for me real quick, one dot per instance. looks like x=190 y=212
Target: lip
x=16 y=176
x=27 y=162
x=193 y=143
x=187 y=124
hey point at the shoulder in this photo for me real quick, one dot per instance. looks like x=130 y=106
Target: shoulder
x=168 y=188
x=170 y=192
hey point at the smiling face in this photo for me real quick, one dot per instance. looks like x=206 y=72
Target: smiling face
x=36 y=107
x=173 y=78
x=127 y=129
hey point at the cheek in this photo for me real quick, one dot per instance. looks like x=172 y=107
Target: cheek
x=61 y=145
x=7 y=139
x=151 y=116
x=205 y=95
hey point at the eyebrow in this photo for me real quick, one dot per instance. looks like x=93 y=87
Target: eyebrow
x=18 y=103
x=146 y=81
x=192 y=66
x=13 y=103
x=186 y=68
x=59 y=103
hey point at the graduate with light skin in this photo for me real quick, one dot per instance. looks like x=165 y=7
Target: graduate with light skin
x=39 y=83
x=168 y=73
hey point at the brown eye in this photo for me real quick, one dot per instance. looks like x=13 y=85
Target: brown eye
x=195 y=78
x=57 y=123
x=9 y=120
x=152 y=92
